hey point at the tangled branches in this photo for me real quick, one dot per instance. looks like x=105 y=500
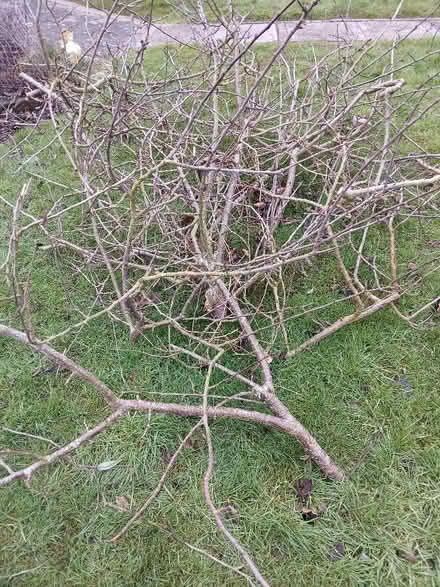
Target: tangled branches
x=206 y=182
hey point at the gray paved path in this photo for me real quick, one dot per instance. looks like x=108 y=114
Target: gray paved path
x=86 y=23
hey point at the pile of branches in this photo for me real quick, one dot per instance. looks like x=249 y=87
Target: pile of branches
x=202 y=187
x=18 y=106
x=24 y=72
x=27 y=107
x=15 y=46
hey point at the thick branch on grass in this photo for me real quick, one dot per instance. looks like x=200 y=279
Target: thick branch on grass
x=27 y=472
x=282 y=420
x=61 y=360
x=311 y=446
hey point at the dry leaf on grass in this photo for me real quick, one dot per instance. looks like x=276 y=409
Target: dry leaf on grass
x=337 y=552
x=304 y=489
x=107 y=465
x=123 y=503
x=407 y=555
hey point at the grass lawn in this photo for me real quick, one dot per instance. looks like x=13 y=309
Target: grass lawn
x=348 y=391
x=264 y=10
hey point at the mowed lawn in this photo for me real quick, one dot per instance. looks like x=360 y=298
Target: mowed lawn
x=258 y=10
x=370 y=394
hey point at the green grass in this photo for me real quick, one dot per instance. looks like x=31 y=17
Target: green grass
x=344 y=390
x=256 y=10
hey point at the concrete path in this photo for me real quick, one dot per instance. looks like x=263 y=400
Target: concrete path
x=124 y=32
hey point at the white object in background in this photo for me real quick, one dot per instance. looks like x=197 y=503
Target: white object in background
x=72 y=49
